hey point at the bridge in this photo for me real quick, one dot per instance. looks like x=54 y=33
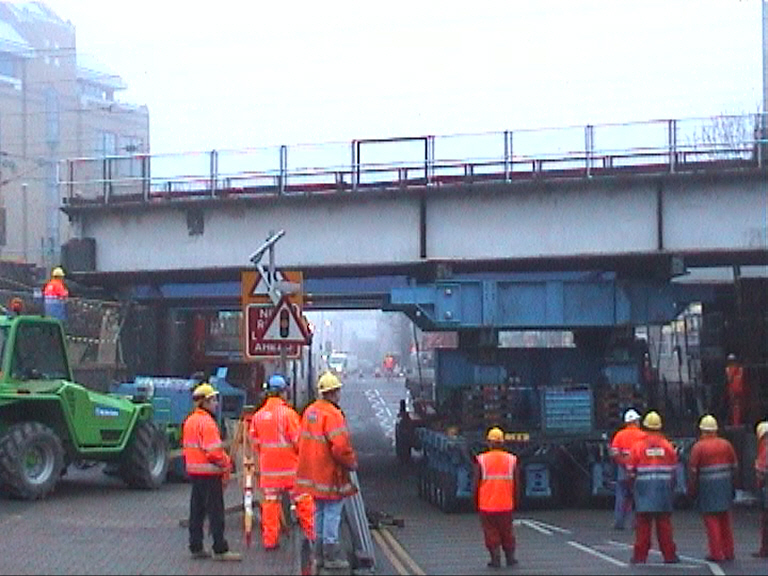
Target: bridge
x=653 y=199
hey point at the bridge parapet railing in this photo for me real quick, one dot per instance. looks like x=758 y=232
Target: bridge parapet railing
x=577 y=151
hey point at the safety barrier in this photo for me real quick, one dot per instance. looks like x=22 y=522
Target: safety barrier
x=659 y=146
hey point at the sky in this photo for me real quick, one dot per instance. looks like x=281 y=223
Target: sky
x=239 y=74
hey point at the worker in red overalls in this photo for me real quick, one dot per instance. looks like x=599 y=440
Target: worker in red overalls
x=651 y=466
x=711 y=469
x=735 y=390
x=621 y=445
x=761 y=472
x=496 y=494
x=55 y=295
x=274 y=436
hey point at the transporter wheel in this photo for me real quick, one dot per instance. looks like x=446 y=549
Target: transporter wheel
x=31 y=460
x=145 y=462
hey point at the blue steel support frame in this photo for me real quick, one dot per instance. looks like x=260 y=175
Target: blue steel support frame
x=548 y=300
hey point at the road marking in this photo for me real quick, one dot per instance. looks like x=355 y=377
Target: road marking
x=400 y=551
x=388 y=553
x=600 y=555
x=713 y=567
x=531 y=524
x=383 y=413
x=550 y=527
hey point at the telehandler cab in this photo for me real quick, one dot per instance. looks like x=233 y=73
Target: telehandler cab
x=48 y=422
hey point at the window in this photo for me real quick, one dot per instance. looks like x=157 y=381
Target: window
x=39 y=353
x=51 y=116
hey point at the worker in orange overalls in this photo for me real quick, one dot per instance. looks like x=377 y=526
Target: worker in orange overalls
x=326 y=458
x=55 y=294
x=497 y=482
x=711 y=469
x=651 y=466
x=209 y=467
x=274 y=436
x=620 y=446
x=736 y=390
x=761 y=472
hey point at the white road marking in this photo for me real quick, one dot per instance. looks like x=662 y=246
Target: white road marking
x=383 y=413
x=536 y=527
x=600 y=555
x=551 y=527
x=693 y=562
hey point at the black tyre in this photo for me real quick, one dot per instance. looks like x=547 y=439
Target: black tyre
x=145 y=462
x=31 y=460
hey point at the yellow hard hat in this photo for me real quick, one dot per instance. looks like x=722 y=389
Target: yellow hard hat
x=708 y=423
x=204 y=391
x=652 y=420
x=762 y=428
x=495 y=434
x=57 y=272
x=327 y=382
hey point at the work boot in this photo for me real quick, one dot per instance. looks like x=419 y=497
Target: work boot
x=510 y=557
x=495 y=559
x=332 y=557
x=200 y=554
x=228 y=556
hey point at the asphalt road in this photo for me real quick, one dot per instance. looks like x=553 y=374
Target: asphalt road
x=93 y=524
x=566 y=541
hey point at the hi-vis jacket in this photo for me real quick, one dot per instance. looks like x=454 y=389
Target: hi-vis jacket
x=621 y=445
x=325 y=453
x=275 y=437
x=55 y=288
x=496 y=484
x=711 y=467
x=204 y=452
x=761 y=469
x=652 y=466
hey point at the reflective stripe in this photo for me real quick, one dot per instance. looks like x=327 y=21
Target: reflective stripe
x=273 y=473
x=200 y=468
x=336 y=431
x=282 y=444
x=311 y=436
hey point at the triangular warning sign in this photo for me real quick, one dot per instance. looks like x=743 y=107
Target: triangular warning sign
x=286 y=326
x=261 y=285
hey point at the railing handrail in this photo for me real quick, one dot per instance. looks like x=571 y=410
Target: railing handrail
x=748 y=135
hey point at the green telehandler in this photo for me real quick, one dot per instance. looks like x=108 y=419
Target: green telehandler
x=48 y=421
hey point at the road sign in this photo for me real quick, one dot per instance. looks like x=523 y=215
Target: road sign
x=286 y=326
x=254 y=288
x=258 y=309
x=257 y=319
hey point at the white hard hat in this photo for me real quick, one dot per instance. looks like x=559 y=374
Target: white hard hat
x=631 y=415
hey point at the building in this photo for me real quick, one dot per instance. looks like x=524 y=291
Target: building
x=55 y=104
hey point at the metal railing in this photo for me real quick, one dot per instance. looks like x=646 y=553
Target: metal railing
x=666 y=146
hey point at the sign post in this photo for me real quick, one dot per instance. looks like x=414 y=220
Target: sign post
x=272 y=301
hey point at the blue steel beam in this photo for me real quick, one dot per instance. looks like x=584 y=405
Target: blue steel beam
x=543 y=301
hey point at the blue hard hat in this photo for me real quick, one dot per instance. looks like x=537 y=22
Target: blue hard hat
x=277 y=382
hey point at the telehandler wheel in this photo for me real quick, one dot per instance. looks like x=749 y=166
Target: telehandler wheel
x=31 y=460
x=145 y=462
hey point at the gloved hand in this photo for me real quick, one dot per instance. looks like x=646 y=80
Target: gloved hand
x=225 y=477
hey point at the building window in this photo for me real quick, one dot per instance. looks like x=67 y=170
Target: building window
x=51 y=116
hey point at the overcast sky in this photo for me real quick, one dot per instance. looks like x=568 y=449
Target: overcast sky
x=232 y=74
